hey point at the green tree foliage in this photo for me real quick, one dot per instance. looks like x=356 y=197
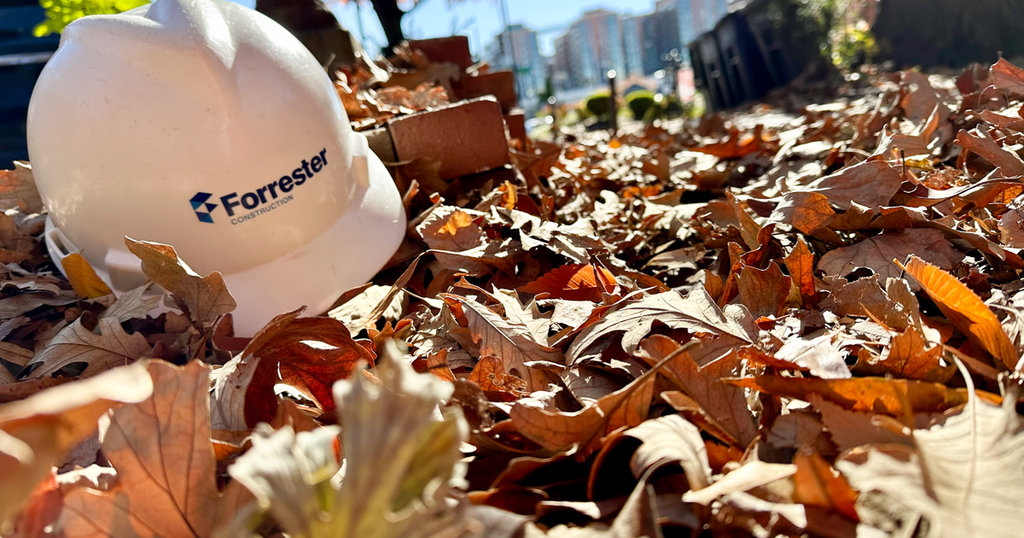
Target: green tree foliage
x=60 y=13
x=830 y=28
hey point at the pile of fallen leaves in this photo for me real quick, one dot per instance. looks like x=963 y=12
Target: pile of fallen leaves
x=770 y=323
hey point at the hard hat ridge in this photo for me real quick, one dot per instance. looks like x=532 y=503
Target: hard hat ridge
x=205 y=125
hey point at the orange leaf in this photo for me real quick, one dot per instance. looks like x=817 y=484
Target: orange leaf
x=910 y=357
x=894 y=397
x=800 y=263
x=818 y=484
x=763 y=291
x=83 y=277
x=308 y=354
x=1007 y=76
x=489 y=373
x=722 y=404
x=805 y=211
x=735 y=146
x=586 y=428
x=455 y=222
x=964 y=309
x=508 y=195
x=573 y=282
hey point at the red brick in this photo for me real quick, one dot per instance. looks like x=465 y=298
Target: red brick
x=454 y=49
x=516 y=123
x=467 y=137
x=500 y=84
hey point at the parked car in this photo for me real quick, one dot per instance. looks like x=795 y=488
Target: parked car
x=22 y=57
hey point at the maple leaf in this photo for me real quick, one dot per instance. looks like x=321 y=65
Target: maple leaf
x=800 y=263
x=763 y=291
x=161 y=450
x=724 y=406
x=805 y=211
x=696 y=312
x=962 y=474
x=398 y=472
x=452 y=229
x=38 y=430
x=75 y=343
x=511 y=342
x=573 y=282
x=207 y=298
x=909 y=356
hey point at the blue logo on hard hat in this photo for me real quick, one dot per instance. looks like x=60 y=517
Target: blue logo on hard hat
x=263 y=199
x=202 y=208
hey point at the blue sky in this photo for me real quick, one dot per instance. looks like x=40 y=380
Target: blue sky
x=480 y=20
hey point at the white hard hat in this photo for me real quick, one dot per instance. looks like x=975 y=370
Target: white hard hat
x=207 y=126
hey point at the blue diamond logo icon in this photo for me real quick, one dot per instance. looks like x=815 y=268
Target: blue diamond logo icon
x=199 y=199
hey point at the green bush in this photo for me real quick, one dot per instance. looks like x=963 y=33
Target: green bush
x=673 y=108
x=598 y=104
x=60 y=13
x=640 y=103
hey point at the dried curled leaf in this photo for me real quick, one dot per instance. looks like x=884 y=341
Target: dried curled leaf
x=894 y=397
x=399 y=470
x=165 y=465
x=963 y=475
x=207 y=298
x=696 y=312
x=671 y=440
x=964 y=309
x=512 y=342
x=110 y=348
x=38 y=430
x=307 y=354
x=83 y=277
x=587 y=428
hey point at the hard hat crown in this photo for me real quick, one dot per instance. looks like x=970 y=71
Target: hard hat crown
x=197 y=123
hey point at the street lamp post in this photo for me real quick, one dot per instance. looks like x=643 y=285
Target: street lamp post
x=614 y=119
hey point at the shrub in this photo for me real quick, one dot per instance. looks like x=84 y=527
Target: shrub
x=598 y=104
x=640 y=102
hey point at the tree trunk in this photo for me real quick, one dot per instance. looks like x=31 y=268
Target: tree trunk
x=390 y=16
